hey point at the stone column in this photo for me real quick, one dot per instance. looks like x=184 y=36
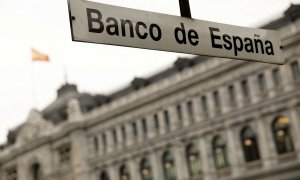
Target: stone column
x=185 y=116
x=271 y=142
x=22 y=170
x=133 y=166
x=55 y=159
x=178 y=153
x=79 y=155
x=173 y=117
x=211 y=105
x=46 y=161
x=91 y=148
x=110 y=140
x=101 y=147
x=129 y=134
x=120 y=137
x=287 y=77
x=140 y=132
x=150 y=126
x=224 y=99
x=234 y=152
x=191 y=115
x=270 y=83
x=162 y=124
x=74 y=111
x=295 y=129
x=156 y=166
x=113 y=172
x=206 y=159
x=253 y=89
x=94 y=175
x=198 y=111
x=266 y=144
x=239 y=94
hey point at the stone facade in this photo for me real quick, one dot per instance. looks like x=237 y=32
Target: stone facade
x=212 y=119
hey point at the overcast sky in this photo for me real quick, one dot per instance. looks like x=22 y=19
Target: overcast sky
x=95 y=68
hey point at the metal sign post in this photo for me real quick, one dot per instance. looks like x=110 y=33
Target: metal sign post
x=185 y=8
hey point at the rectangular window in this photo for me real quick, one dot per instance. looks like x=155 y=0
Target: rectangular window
x=123 y=132
x=295 y=71
x=167 y=119
x=114 y=132
x=64 y=153
x=104 y=142
x=276 y=77
x=232 y=94
x=144 y=124
x=190 y=109
x=156 y=123
x=11 y=174
x=204 y=104
x=96 y=144
x=216 y=99
x=262 y=83
x=179 y=112
x=134 y=129
x=245 y=88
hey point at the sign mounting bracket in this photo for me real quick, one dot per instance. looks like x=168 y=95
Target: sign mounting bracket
x=185 y=10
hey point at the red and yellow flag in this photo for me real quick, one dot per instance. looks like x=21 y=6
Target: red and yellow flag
x=37 y=56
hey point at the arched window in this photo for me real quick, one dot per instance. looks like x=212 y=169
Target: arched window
x=36 y=172
x=124 y=173
x=104 y=176
x=168 y=166
x=249 y=143
x=220 y=152
x=193 y=160
x=281 y=134
x=145 y=170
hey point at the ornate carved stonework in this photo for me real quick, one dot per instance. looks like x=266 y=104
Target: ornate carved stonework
x=74 y=112
x=35 y=127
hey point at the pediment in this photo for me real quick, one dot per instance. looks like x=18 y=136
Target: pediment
x=35 y=127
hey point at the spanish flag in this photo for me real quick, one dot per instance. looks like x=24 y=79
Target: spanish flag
x=37 y=56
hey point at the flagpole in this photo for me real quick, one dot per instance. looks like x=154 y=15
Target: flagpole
x=36 y=56
x=34 y=92
x=65 y=74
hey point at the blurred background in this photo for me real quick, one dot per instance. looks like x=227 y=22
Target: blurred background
x=92 y=111
x=44 y=25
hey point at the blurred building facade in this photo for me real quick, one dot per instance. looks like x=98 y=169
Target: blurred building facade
x=203 y=118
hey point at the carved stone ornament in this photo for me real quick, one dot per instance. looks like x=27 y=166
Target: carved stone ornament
x=35 y=127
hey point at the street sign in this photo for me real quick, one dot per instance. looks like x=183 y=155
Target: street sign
x=100 y=23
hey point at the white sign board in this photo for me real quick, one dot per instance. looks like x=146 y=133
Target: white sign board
x=100 y=23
